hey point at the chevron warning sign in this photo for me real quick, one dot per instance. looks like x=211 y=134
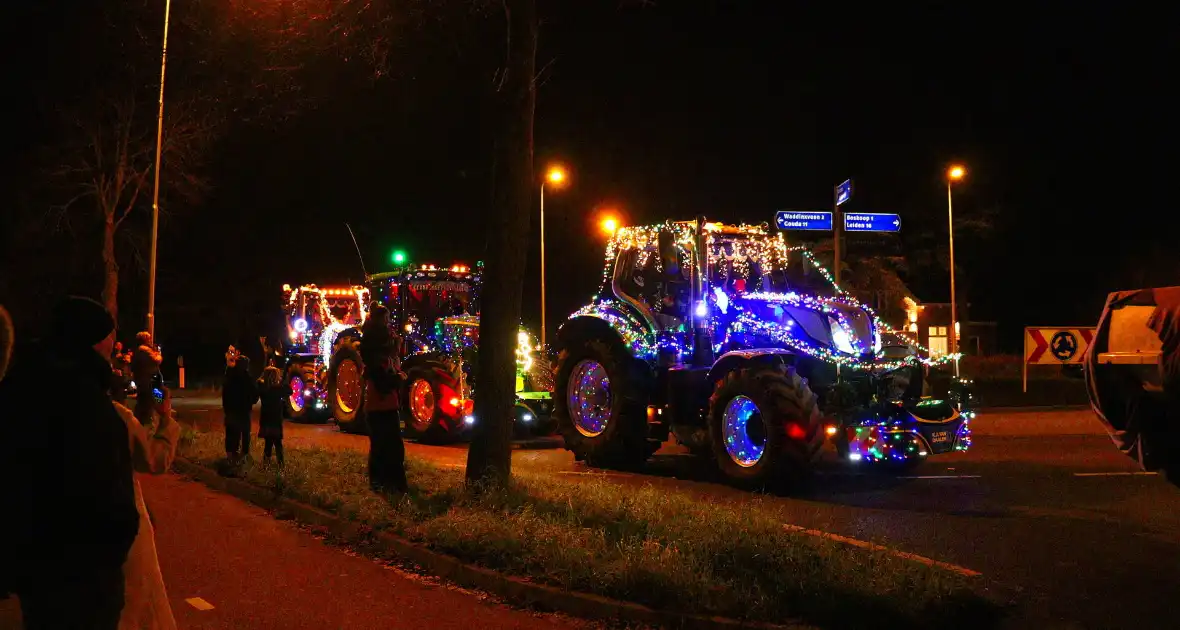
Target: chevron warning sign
x=1044 y=345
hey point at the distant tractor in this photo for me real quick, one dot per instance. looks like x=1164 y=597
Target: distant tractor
x=317 y=320
x=745 y=351
x=435 y=310
x=1133 y=376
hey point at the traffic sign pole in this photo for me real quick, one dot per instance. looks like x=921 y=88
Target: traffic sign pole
x=837 y=223
x=843 y=193
x=1024 y=362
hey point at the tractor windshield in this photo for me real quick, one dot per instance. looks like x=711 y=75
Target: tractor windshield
x=429 y=300
x=742 y=263
x=347 y=311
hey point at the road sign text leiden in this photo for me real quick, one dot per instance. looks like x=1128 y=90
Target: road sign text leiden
x=792 y=220
x=843 y=192
x=1049 y=346
x=871 y=222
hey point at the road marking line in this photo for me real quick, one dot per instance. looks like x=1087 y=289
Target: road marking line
x=1114 y=474
x=199 y=604
x=942 y=477
x=875 y=547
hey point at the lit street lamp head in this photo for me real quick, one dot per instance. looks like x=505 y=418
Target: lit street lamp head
x=956 y=173
x=556 y=175
x=609 y=225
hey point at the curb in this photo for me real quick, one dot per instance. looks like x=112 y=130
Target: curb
x=514 y=589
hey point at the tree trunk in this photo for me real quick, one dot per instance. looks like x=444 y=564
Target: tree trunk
x=489 y=458
x=110 y=269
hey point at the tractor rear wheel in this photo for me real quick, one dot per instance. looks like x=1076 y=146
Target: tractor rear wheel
x=421 y=411
x=600 y=404
x=765 y=427
x=346 y=390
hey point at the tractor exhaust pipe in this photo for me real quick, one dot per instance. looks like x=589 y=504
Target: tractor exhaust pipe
x=702 y=347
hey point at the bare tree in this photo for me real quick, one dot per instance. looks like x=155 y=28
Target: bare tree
x=105 y=162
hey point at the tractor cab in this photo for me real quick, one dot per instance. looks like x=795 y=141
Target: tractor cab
x=317 y=315
x=420 y=295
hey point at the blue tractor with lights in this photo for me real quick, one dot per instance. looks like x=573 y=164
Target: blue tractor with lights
x=746 y=352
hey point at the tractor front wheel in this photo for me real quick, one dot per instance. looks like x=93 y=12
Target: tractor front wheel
x=765 y=427
x=301 y=401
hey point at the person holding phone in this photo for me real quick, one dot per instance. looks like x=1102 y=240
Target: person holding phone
x=145 y=369
x=145 y=596
x=238 y=395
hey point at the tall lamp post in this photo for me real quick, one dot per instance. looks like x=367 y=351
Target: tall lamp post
x=151 y=314
x=557 y=177
x=953 y=174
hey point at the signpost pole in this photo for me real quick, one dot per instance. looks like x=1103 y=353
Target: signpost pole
x=836 y=225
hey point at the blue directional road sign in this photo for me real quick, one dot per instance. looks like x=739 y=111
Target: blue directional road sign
x=871 y=222
x=793 y=220
x=843 y=192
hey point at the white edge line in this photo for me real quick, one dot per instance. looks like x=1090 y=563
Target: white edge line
x=875 y=547
x=942 y=477
x=1115 y=474
x=199 y=603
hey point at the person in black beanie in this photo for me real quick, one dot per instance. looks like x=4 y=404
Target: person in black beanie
x=70 y=514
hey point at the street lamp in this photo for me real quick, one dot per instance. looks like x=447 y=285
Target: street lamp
x=556 y=177
x=953 y=174
x=609 y=225
x=151 y=314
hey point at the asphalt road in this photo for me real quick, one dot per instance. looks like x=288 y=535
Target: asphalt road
x=1042 y=507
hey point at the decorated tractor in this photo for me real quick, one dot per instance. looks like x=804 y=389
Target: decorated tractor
x=316 y=319
x=747 y=352
x=435 y=310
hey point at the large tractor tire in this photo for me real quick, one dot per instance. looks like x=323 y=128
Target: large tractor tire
x=346 y=390
x=299 y=407
x=765 y=426
x=600 y=404
x=425 y=421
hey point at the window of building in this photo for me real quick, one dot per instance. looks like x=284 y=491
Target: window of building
x=938 y=340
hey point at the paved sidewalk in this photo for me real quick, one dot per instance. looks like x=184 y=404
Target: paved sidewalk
x=259 y=573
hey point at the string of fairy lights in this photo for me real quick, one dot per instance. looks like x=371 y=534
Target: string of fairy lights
x=751 y=255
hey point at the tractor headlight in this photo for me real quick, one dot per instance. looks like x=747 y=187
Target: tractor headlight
x=841 y=338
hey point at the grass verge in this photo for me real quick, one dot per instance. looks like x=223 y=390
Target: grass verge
x=656 y=547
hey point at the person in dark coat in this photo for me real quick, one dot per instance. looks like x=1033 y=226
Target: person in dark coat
x=145 y=369
x=381 y=353
x=273 y=393
x=70 y=514
x=238 y=395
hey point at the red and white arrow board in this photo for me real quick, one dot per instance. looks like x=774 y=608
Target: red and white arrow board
x=1048 y=345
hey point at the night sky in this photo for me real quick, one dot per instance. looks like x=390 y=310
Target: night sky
x=729 y=109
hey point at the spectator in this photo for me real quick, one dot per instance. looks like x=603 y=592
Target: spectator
x=273 y=393
x=6 y=338
x=145 y=369
x=121 y=368
x=238 y=395
x=380 y=351
x=70 y=511
x=146 y=599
